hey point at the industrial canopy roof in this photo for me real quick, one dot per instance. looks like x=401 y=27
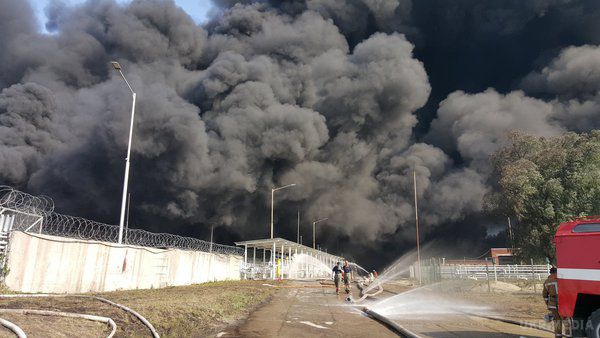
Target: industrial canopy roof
x=267 y=244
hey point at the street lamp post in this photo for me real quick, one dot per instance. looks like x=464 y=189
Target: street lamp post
x=117 y=67
x=273 y=190
x=314 y=227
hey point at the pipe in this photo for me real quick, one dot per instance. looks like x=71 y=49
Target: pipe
x=104 y=300
x=399 y=329
x=65 y=314
x=13 y=327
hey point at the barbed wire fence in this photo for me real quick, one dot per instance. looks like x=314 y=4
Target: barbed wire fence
x=30 y=213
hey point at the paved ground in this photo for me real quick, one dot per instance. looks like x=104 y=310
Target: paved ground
x=305 y=309
x=451 y=326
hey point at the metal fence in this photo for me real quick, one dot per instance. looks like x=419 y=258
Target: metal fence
x=25 y=212
x=496 y=272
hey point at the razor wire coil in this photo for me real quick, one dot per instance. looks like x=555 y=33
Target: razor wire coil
x=29 y=209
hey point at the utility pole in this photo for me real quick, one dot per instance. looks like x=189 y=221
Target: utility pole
x=417 y=226
x=510 y=234
x=298 y=235
x=212 y=227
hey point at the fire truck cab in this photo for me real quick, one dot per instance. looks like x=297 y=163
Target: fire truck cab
x=578 y=263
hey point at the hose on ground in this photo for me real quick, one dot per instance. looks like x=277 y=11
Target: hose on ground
x=94 y=318
x=367 y=295
x=395 y=326
x=104 y=300
x=139 y=316
x=13 y=327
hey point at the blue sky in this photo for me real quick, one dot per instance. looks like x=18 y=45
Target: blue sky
x=197 y=9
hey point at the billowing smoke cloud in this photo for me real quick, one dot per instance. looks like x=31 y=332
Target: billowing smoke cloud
x=476 y=125
x=344 y=98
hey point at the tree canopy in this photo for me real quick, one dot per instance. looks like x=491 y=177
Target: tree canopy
x=543 y=182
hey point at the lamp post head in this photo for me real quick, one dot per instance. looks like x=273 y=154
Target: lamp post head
x=115 y=65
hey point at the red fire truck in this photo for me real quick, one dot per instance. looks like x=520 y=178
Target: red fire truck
x=578 y=262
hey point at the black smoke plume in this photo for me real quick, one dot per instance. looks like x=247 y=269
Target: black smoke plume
x=345 y=98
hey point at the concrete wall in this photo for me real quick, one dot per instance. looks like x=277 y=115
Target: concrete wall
x=42 y=263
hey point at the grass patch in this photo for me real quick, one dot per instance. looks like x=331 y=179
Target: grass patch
x=196 y=310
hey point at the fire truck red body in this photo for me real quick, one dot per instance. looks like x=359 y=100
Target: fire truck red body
x=578 y=263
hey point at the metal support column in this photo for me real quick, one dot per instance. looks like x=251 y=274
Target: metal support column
x=263 y=264
x=303 y=265
x=254 y=263
x=282 y=262
x=245 y=260
x=289 y=261
x=273 y=261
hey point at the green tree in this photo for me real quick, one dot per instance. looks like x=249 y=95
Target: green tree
x=543 y=182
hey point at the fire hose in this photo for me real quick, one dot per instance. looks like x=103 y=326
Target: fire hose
x=394 y=326
x=104 y=300
x=382 y=319
x=100 y=319
x=13 y=327
x=367 y=295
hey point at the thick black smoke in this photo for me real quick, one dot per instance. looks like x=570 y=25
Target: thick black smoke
x=343 y=97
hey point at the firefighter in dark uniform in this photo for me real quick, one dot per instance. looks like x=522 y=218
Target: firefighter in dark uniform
x=347 y=275
x=550 y=294
x=337 y=276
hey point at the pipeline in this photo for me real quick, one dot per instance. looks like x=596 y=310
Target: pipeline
x=100 y=319
x=104 y=300
x=13 y=327
x=399 y=329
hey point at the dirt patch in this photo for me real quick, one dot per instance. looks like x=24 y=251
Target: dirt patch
x=126 y=323
x=514 y=305
x=50 y=326
x=507 y=299
x=187 y=311
x=511 y=300
x=497 y=287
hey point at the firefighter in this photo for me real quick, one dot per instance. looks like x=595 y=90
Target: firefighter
x=347 y=275
x=337 y=276
x=550 y=294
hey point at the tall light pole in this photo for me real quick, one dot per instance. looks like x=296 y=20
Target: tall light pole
x=273 y=190
x=117 y=67
x=417 y=226
x=127 y=219
x=298 y=234
x=510 y=235
x=314 y=228
x=212 y=227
